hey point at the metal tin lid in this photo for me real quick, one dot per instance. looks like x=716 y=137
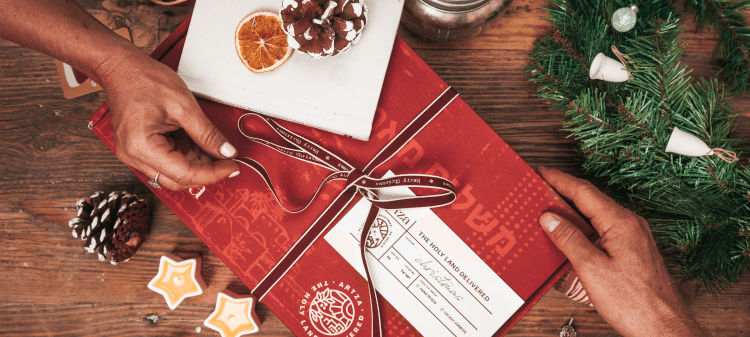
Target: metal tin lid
x=456 y=5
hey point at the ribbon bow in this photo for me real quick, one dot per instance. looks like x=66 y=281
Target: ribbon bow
x=357 y=181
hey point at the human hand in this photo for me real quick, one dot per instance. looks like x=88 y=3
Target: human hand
x=148 y=101
x=624 y=277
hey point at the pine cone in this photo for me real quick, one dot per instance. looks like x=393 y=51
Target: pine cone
x=115 y=226
x=322 y=28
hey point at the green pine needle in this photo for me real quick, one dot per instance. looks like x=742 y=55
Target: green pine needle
x=698 y=207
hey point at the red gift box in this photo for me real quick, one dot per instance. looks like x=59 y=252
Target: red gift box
x=499 y=201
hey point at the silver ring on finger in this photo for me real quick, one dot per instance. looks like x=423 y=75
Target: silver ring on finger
x=154 y=182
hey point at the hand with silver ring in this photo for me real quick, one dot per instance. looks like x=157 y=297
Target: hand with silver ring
x=148 y=101
x=165 y=130
x=154 y=182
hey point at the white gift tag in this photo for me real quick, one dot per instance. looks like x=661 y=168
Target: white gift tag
x=426 y=271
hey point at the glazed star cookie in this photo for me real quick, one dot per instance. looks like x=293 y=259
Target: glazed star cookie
x=234 y=315
x=178 y=279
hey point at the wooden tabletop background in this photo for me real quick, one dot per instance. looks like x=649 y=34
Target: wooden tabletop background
x=49 y=159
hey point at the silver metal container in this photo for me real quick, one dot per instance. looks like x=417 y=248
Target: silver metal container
x=451 y=20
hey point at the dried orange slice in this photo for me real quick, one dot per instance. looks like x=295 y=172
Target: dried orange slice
x=261 y=43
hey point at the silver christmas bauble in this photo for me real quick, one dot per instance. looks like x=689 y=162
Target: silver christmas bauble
x=624 y=18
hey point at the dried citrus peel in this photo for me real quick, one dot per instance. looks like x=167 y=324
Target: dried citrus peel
x=261 y=42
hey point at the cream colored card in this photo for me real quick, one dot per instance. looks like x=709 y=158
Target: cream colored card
x=425 y=270
x=338 y=94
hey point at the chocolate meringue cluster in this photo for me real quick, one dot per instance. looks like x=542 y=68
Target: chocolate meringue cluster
x=322 y=28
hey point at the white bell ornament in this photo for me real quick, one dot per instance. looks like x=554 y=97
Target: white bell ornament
x=608 y=69
x=683 y=143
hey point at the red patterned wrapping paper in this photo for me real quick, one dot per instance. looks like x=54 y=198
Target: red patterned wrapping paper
x=499 y=198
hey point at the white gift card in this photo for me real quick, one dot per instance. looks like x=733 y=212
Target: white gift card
x=338 y=94
x=426 y=271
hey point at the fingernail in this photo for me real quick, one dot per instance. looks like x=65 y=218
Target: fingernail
x=234 y=174
x=549 y=221
x=227 y=150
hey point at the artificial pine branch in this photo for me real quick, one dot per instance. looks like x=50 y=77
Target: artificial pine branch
x=698 y=207
x=727 y=20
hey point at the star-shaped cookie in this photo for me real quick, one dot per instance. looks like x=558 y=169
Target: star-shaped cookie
x=234 y=315
x=178 y=279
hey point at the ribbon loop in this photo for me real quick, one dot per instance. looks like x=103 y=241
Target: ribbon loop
x=624 y=59
x=368 y=185
x=620 y=56
x=415 y=202
x=304 y=149
x=257 y=167
x=407 y=180
x=727 y=156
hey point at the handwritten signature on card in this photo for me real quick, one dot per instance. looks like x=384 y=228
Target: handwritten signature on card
x=443 y=281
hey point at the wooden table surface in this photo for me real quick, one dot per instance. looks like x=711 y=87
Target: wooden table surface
x=50 y=286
